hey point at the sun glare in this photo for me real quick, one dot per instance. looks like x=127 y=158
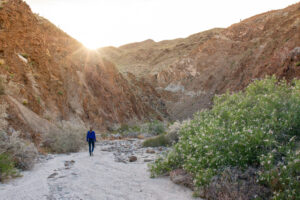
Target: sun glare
x=90 y=43
x=98 y=23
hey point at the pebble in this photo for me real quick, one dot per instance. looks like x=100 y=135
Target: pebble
x=131 y=150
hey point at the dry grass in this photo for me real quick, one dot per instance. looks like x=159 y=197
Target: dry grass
x=157 y=141
x=3 y=115
x=64 y=140
x=22 y=152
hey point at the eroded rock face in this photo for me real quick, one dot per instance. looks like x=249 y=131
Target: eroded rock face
x=187 y=73
x=55 y=77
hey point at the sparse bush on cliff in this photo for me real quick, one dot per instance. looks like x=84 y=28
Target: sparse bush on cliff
x=3 y=115
x=2 y=89
x=64 y=140
x=256 y=128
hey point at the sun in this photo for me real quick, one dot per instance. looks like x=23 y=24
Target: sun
x=90 y=43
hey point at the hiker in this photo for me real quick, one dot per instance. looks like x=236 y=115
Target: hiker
x=91 y=139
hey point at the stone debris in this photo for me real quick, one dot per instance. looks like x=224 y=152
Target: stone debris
x=69 y=163
x=125 y=151
x=53 y=175
x=132 y=158
x=151 y=151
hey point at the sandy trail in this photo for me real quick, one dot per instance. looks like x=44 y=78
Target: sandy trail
x=99 y=177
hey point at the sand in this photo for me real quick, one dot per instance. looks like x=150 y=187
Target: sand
x=91 y=178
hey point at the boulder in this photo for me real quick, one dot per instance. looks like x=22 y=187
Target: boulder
x=150 y=151
x=132 y=158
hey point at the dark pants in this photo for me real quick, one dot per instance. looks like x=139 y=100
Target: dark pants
x=91 y=146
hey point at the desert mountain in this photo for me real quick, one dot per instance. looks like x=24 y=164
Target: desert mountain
x=47 y=78
x=188 y=72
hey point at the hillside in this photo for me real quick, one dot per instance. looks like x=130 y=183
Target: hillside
x=48 y=78
x=188 y=72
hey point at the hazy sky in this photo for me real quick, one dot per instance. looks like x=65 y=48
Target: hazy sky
x=97 y=23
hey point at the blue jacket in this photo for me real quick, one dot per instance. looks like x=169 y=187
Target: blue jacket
x=90 y=136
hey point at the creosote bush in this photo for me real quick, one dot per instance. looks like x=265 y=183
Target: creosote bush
x=64 y=140
x=259 y=127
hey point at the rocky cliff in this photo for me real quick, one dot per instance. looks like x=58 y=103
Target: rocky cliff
x=188 y=72
x=47 y=77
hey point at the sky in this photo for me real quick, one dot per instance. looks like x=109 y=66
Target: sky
x=98 y=23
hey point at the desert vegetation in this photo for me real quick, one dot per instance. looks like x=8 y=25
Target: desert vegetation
x=2 y=89
x=157 y=141
x=258 y=128
x=169 y=136
x=15 y=153
x=139 y=130
x=19 y=154
x=64 y=140
x=156 y=127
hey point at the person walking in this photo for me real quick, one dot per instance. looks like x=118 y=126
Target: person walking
x=91 y=139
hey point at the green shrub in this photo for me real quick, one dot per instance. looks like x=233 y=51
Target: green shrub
x=173 y=130
x=156 y=127
x=7 y=168
x=15 y=153
x=25 y=55
x=258 y=127
x=64 y=140
x=157 y=141
x=25 y=102
x=2 y=89
x=22 y=152
x=123 y=128
x=127 y=130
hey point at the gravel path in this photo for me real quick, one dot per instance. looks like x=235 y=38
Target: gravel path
x=106 y=176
